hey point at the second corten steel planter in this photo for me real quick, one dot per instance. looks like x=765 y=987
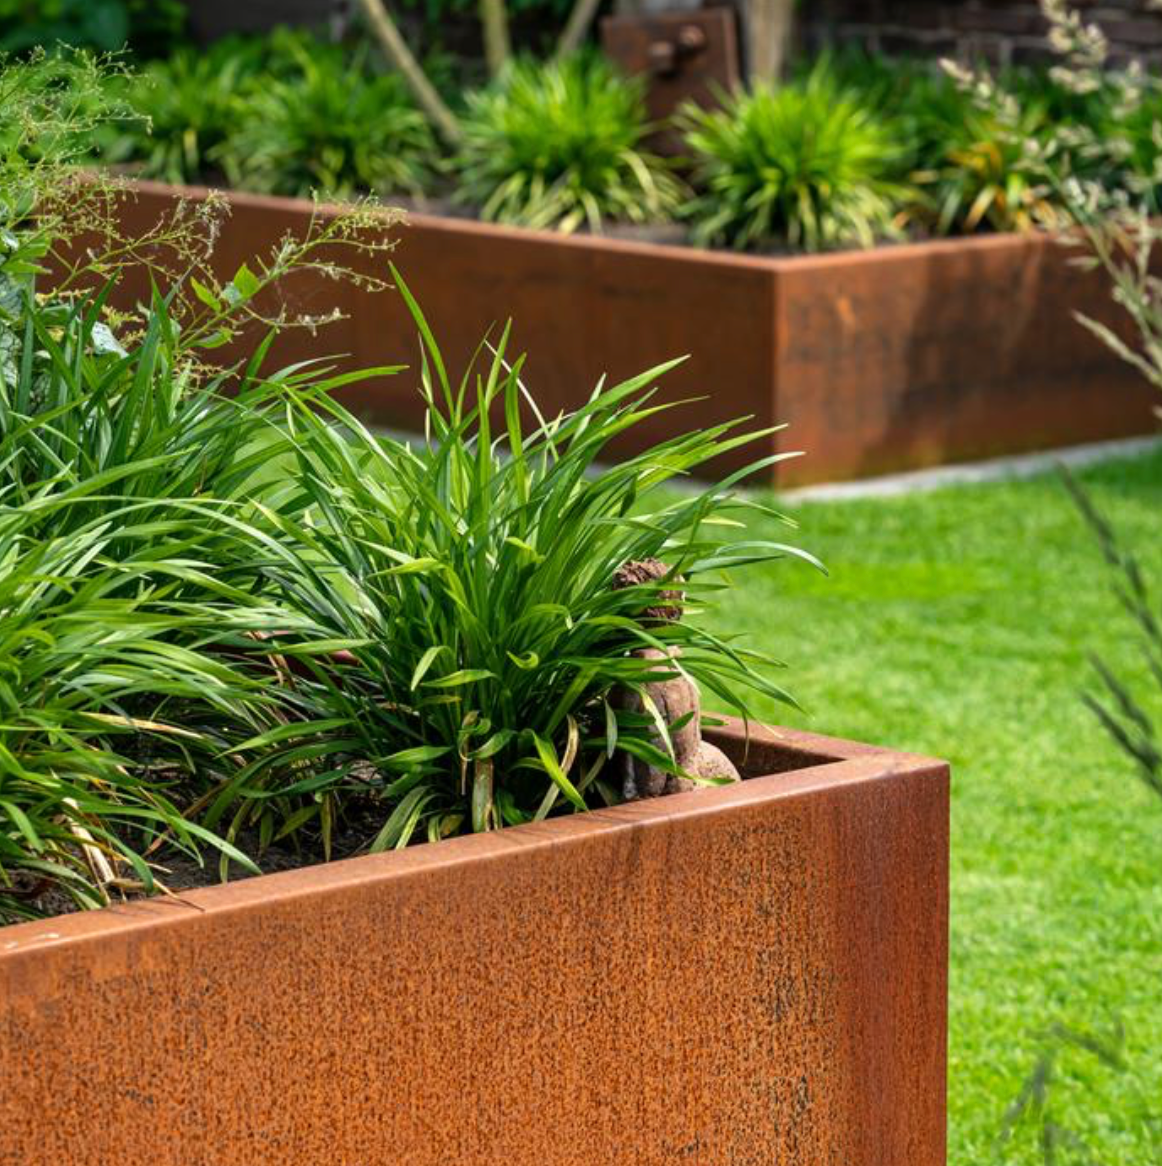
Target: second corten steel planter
x=878 y=361
x=752 y=974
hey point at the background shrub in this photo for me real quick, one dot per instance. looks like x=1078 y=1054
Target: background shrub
x=321 y=121
x=188 y=104
x=559 y=145
x=982 y=176
x=972 y=169
x=149 y=27
x=808 y=166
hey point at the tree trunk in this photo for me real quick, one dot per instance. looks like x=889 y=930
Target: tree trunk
x=577 y=26
x=497 y=46
x=769 y=24
x=398 y=53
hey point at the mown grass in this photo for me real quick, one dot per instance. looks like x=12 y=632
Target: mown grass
x=958 y=624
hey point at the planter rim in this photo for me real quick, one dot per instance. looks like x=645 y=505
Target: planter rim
x=600 y=244
x=828 y=762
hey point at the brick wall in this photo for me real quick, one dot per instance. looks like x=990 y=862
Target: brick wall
x=999 y=30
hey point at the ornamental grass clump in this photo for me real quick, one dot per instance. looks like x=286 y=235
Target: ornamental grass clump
x=468 y=585
x=132 y=664
x=94 y=763
x=126 y=680
x=186 y=107
x=560 y=145
x=963 y=170
x=323 y=123
x=974 y=171
x=807 y=166
x=125 y=673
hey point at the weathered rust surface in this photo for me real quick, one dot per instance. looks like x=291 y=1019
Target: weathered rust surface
x=681 y=57
x=581 y=308
x=751 y=974
x=879 y=360
x=948 y=351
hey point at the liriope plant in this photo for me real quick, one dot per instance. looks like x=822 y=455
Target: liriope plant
x=808 y=166
x=560 y=145
x=113 y=710
x=467 y=637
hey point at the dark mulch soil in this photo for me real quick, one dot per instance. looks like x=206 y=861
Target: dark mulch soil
x=177 y=871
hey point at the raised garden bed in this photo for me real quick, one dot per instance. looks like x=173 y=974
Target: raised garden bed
x=749 y=973
x=878 y=361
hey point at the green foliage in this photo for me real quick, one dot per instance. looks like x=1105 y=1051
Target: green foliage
x=331 y=124
x=187 y=105
x=559 y=145
x=978 y=167
x=52 y=105
x=116 y=467
x=89 y=754
x=855 y=149
x=983 y=174
x=147 y=26
x=121 y=467
x=470 y=584
x=806 y=166
x=123 y=473
x=122 y=470
x=1086 y=134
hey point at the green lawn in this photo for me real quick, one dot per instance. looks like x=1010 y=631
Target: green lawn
x=957 y=623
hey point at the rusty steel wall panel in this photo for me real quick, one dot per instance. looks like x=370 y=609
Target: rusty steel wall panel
x=751 y=974
x=581 y=308
x=680 y=57
x=949 y=351
x=880 y=361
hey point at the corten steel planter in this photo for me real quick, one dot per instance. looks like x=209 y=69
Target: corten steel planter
x=745 y=974
x=879 y=361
